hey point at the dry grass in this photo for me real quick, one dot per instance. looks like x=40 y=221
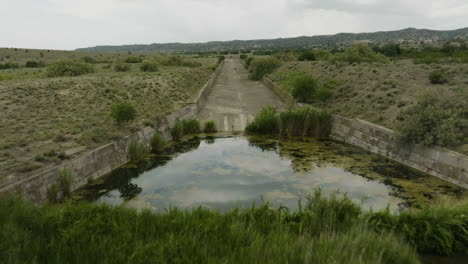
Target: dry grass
x=377 y=92
x=45 y=120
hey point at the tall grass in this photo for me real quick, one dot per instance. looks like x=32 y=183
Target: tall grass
x=138 y=151
x=185 y=127
x=302 y=121
x=210 y=127
x=157 y=142
x=326 y=230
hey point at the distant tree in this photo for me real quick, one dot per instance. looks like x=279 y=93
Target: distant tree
x=307 y=56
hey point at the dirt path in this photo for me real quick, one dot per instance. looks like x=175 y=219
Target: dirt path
x=235 y=100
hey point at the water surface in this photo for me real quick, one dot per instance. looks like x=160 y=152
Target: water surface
x=221 y=173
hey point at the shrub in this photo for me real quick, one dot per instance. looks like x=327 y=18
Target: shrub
x=68 y=68
x=123 y=112
x=88 y=59
x=121 y=67
x=157 y=142
x=259 y=67
x=266 y=122
x=221 y=59
x=177 y=131
x=248 y=61
x=34 y=64
x=303 y=121
x=357 y=54
x=9 y=65
x=305 y=88
x=137 y=151
x=191 y=126
x=65 y=182
x=438 y=77
x=307 y=56
x=243 y=56
x=434 y=120
x=210 y=127
x=52 y=194
x=133 y=60
x=149 y=66
x=175 y=60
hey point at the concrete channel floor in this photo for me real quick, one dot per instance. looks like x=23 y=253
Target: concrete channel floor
x=234 y=100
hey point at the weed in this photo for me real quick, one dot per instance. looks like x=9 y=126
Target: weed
x=177 y=131
x=157 y=142
x=137 y=151
x=209 y=127
x=191 y=126
x=122 y=113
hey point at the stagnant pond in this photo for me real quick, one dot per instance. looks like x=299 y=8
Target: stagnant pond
x=236 y=171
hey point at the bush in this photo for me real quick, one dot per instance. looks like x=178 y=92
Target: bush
x=357 y=54
x=248 y=61
x=191 y=126
x=307 y=56
x=210 y=127
x=137 y=151
x=243 y=57
x=438 y=77
x=305 y=88
x=149 y=66
x=88 y=59
x=259 y=67
x=133 y=60
x=123 y=112
x=266 y=122
x=177 y=131
x=121 y=67
x=68 y=68
x=175 y=60
x=303 y=121
x=157 y=142
x=221 y=59
x=66 y=180
x=34 y=64
x=9 y=65
x=434 y=120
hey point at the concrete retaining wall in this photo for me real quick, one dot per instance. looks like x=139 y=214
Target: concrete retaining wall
x=101 y=161
x=282 y=94
x=439 y=162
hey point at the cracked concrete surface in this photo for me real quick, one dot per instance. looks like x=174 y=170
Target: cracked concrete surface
x=234 y=100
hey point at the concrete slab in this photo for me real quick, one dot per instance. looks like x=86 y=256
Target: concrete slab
x=234 y=100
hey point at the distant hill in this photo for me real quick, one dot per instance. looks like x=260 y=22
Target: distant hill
x=408 y=36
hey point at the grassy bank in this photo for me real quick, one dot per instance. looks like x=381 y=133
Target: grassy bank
x=329 y=229
x=55 y=118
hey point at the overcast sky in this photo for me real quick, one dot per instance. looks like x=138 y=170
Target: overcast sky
x=70 y=24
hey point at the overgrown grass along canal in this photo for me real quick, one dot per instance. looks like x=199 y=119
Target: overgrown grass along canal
x=328 y=229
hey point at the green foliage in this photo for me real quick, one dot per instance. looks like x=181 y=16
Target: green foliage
x=260 y=67
x=88 y=59
x=210 y=127
x=34 y=64
x=221 y=59
x=434 y=120
x=439 y=229
x=177 y=131
x=123 y=113
x=191 y=126
x=302 y=121
x=307 y=56
x=68 y=68
x=438 y=77
x=305 y=121
x=327 y=230
x=9 y=65
x=149 y=66
x=157 y=142
x=52 y=194
x=266 y=122
x=357 y=54
x=389 y=50
x=65 y=182
x=121 y=67
x=179 y=61
x=248 y=61
x=133 y=60
x=243 y=56
x=138 y=151
x=304 y=88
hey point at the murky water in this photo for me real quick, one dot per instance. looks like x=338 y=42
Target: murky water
x=221 y=173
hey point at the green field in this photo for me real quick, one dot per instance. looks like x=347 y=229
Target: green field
x=48 y=119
